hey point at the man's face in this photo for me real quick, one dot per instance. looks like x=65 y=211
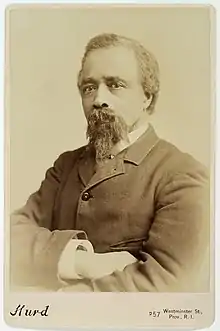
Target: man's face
x=111 y=77
x=112 y=96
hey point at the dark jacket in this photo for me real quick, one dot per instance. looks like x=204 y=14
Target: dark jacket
x=151 y=200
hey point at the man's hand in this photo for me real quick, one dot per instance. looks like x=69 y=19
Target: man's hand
x=95 y=265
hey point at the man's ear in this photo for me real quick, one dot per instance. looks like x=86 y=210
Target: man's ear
x=148 y=100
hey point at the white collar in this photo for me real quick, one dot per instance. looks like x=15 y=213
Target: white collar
x=132 y=137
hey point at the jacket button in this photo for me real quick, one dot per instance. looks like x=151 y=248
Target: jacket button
x=86 y=196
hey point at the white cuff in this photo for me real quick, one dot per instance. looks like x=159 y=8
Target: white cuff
x=66 y=264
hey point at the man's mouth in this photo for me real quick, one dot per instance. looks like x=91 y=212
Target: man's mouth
x=107 y=121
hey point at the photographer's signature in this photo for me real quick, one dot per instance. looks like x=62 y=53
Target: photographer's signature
x=22 y=310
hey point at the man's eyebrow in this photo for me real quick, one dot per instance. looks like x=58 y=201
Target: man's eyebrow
x=91 y=80
x=87 y=80
x=114 y=78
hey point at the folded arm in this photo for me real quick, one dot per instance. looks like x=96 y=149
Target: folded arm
x=35 y=249
x=178 y=241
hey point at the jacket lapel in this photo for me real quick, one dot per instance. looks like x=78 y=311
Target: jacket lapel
x=91 y=175
x=113 y=167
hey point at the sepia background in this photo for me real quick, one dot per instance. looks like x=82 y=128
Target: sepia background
x=45 y=46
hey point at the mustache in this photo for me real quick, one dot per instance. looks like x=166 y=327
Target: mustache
x=102 y=115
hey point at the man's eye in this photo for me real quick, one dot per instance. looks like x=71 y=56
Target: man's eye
x=88 y=89
x=116 y=85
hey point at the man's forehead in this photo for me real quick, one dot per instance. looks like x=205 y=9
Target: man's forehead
x=117 y=61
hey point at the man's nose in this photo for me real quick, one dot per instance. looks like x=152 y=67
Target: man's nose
x=101 y=98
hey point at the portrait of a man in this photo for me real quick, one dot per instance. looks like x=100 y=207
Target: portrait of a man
x=126 y=212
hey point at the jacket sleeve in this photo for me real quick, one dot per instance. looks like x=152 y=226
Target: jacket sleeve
x=178 y=242
x=34 y=248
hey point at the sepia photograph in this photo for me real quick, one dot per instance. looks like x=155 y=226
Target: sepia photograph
x=109 y=130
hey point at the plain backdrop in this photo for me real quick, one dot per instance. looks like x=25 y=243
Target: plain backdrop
x=44 y=47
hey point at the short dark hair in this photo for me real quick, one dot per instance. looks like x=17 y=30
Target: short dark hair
x=147 y=62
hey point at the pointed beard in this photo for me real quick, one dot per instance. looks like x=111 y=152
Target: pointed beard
x=104 y=130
